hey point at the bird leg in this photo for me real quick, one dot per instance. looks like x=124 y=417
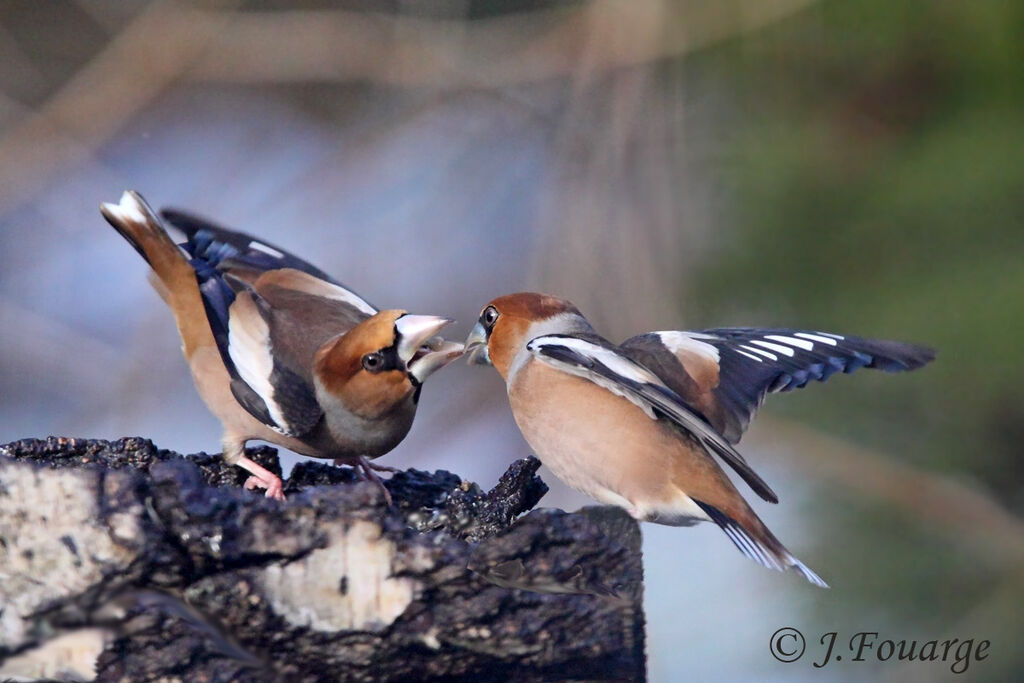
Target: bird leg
x=380 y=468
x=363 y=466
x=233 y=449
x=261 y=478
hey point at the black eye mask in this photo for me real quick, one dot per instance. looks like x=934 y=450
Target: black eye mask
x=389 y=360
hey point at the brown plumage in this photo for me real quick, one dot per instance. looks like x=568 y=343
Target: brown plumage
x=279 y=351
x=639 y=425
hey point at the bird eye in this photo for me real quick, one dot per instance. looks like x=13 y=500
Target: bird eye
x=373 y=361
x=489 y=316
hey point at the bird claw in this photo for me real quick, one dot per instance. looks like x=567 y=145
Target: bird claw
x=261 y=478
x=275 y=489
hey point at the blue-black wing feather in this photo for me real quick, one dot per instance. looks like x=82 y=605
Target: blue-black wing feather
x=749 y=370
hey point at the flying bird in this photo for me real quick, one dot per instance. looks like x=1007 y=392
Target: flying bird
x=646 y=424
x=278 y=350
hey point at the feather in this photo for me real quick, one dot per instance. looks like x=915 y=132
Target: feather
x=599 y=361
x=752 y=363
x=269 y=312
x=769 y=554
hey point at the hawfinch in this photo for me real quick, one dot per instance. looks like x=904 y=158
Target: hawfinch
x=279 y=351
x=640 y=424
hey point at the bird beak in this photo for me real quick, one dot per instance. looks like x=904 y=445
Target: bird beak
x=476 y=346
x=435 y=354
x=422 y=351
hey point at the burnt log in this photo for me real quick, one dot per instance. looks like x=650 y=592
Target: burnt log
x=120 y=561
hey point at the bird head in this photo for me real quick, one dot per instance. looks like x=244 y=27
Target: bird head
x=507 y=323
x=383 y=360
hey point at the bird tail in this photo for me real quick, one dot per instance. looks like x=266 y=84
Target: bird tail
x=139 y=225
x=176 y=279
x=760 y=544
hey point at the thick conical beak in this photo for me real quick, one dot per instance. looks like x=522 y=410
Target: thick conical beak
x=414 y=330
x=422 y=351
x=476 y=346
x=434 y=355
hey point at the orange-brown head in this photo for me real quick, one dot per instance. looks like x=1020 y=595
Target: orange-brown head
x=507 y=323
x=381 y=362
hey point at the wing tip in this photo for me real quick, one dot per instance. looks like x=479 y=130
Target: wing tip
x=746 y=472
x=918 y=356
x=894 y=356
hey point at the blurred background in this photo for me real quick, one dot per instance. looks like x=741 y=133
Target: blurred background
x=853 y=166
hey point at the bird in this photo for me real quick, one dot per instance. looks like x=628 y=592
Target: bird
x=647 y=424
x=278 y=350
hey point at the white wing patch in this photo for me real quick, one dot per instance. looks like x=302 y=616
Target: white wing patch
x=249 y=349
x=342 y=294
x=760 y=352
x=613 y=361
x=779 y=348
x=817 y=338
x=616 y=363
x=792 y=341
x=304 y=282
x=677 y=341
x=785 y=344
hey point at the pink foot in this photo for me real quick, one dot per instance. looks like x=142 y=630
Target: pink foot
x=275 y=488
x=262 y=478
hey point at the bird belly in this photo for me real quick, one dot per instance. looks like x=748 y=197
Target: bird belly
x=214 y=386
x=603 y=445
x=355 y=436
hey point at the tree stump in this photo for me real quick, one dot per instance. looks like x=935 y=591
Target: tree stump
x=120 y=561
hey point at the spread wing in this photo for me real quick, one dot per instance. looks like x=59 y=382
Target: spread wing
x=725 y=373
x=599 y=361
x=219 y=243
x=269 y=312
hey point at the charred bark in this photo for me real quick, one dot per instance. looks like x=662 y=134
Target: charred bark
x=149 y=565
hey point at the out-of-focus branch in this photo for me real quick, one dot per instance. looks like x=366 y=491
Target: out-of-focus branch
x=601 y=34
x=168 y=39
x=965 y=512
x=148 y=54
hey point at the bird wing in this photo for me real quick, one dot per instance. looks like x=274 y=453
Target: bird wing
x=269 y=312
x=261 y=382
x=725 y=373
x=218 y=243
x=602 y=363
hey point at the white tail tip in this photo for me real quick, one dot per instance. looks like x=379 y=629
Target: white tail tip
x=132 y=208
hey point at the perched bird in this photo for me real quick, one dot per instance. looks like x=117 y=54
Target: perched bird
x=640 y=424
x=279 y=351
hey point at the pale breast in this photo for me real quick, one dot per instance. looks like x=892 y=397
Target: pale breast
x=601 y=444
